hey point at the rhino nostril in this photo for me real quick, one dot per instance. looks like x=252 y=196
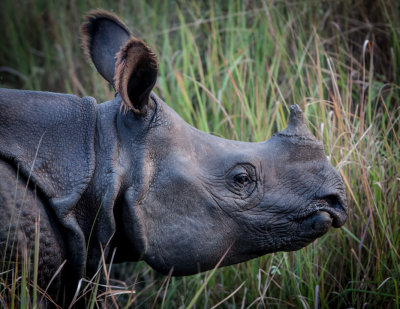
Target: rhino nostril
x=332 y=200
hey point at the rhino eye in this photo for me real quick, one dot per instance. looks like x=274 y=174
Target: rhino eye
x=242 y=179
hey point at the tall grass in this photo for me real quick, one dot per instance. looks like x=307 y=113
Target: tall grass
x=232 y=68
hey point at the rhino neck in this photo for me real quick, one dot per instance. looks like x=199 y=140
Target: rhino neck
x=112 y=177
x=98 y=200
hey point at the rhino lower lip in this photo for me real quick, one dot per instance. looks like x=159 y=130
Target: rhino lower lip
x=334 y=217
x=321 y=220
x=316 y=224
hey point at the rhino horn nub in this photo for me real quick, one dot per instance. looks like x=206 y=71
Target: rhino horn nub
x=297 y=123
x=297 y=127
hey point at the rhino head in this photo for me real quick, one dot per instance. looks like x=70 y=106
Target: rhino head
x=182 y=199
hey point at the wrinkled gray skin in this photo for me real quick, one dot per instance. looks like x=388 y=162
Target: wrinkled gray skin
x=151 y=186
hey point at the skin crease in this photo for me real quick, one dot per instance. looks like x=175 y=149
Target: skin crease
x=130 y=179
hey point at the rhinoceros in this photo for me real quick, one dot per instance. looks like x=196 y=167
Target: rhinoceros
x=129 y=179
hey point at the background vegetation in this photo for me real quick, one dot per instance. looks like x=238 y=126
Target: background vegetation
x=232 y=68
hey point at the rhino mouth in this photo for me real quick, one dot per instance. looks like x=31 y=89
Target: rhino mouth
x=323 y=212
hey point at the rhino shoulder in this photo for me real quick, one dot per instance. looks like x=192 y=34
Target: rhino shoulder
x=50 y=136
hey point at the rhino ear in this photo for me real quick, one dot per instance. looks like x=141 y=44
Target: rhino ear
x=102 y=36
x=135 y=75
